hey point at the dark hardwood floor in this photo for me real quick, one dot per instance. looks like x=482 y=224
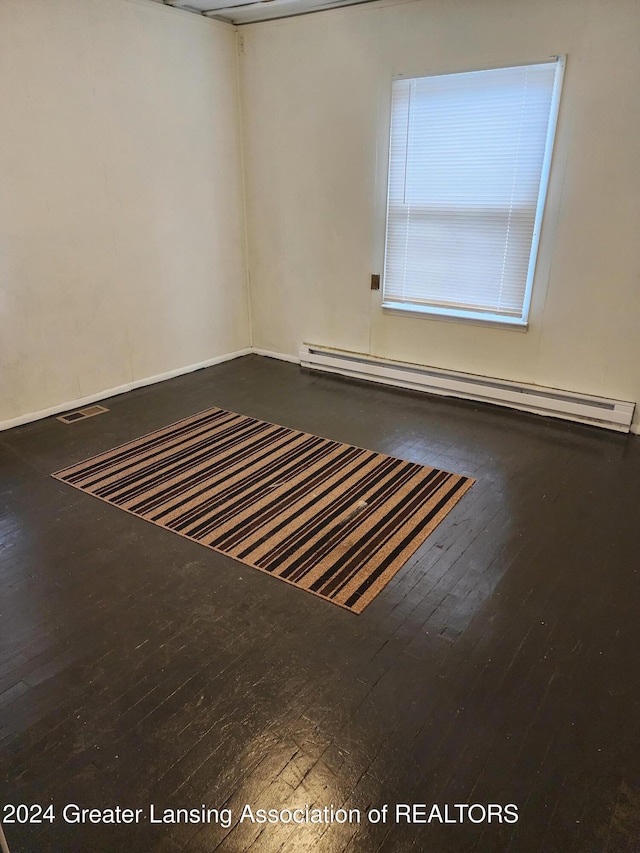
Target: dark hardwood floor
x=500 y=666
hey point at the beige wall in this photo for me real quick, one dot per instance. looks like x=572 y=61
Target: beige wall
x=316 y=94
x=122 y=248
x=122 y=253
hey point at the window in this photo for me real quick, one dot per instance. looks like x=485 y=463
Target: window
x=468 y=164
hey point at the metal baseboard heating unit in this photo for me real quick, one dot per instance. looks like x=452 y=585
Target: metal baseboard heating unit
x=598 y=411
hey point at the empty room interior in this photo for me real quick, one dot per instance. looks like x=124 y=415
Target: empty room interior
x=319 y=444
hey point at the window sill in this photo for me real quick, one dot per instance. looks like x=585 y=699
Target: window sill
x=494 y=321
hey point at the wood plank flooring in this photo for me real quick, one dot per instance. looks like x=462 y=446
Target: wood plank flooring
x=499 y=666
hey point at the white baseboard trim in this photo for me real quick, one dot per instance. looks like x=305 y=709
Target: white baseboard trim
x=120 y=389
x=294 y=359
x=161 y=377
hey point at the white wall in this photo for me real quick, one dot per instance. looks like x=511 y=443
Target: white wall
x=121 y=216
x=316 y=94
x=122 y=248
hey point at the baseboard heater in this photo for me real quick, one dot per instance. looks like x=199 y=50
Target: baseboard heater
x=598 y=411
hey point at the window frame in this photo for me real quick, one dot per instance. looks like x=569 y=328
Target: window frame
x=463 y=315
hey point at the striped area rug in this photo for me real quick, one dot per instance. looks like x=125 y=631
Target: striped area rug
x=332 y=519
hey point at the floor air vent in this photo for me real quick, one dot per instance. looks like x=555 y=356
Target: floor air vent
x=82 y=414
x=598 y=411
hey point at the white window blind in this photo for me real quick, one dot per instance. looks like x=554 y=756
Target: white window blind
x=469 y=155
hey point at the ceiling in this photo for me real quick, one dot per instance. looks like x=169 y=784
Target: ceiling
x=249 y=11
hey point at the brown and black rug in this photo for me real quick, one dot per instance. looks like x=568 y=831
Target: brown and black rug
x=335 y=520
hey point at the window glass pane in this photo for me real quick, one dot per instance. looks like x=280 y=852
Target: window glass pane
x=466 y=158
